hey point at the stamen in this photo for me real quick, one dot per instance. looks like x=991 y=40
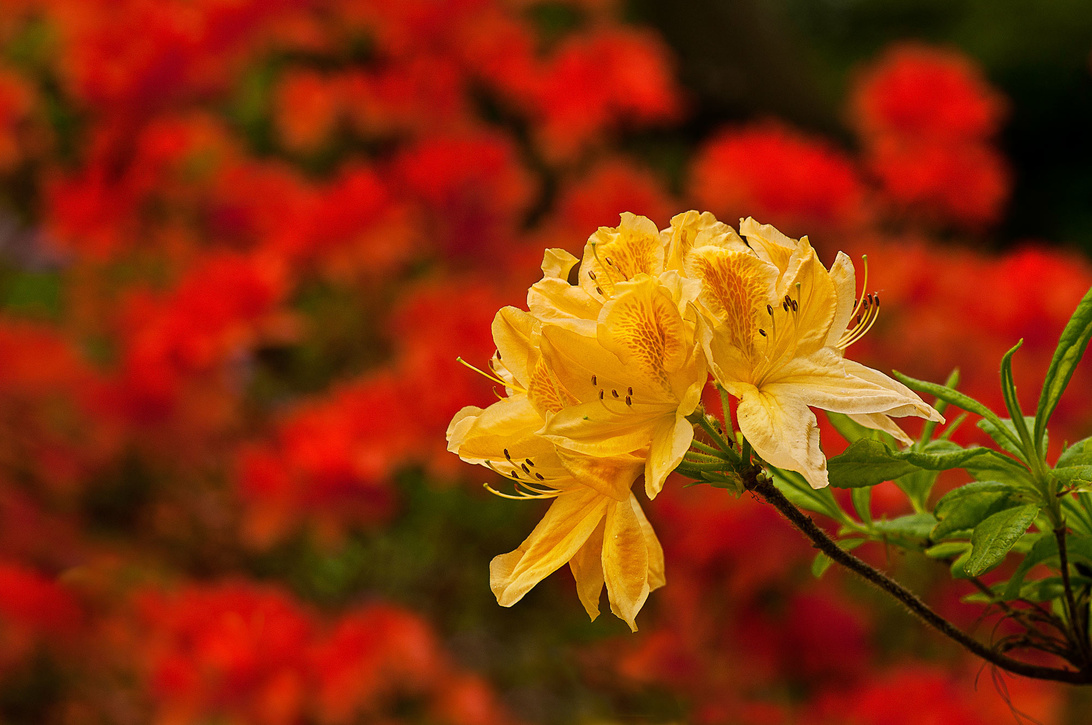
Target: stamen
x=529 y=462
x=769 y=310
x=525 y=468
x=507 y=455
x=600 y=394
x=869 y=307
x=539 y=476
x=630 y=390
x=761 y=332
x=614 y=393
x=594 y=380
x=520 y=495
x=591 y=276
x=629 y=400
x=494 y=378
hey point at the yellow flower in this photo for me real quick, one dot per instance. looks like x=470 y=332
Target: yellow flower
x=636 y=380
x=594 y=523
x=777 y=325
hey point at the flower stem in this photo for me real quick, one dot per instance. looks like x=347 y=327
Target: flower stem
x=754 y=480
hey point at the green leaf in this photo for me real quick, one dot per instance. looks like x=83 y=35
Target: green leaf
x=992 y=539
x=912 y=530
x=869 y=462
x=1078 y=454
x=1044 y=548
x=1070 y=350
x=1049 y=588
x=963 y=508
x=1080 y=476
x=953 y=397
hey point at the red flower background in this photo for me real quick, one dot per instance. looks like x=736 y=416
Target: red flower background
x=242 y=243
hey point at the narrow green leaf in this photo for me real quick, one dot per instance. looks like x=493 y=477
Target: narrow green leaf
x=802 y=495
x=862 y=503
x=1012 y=402
x=853 y=431
x=963 y=508
x=953 y=397
x=1070 y=350
x=1004 y=438
x=930 y=426
x=822 y=562
x=947 y=549
x=993 y=538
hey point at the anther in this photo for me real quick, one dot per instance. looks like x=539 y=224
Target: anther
x=629 y=400
x=594 y=380
x=530 y=462
x=540 y=477
x=498 y=354
x=507 y=454
x=599 y=290
x=769 y=310
x=785 y=304
x=525 y=468
x=600 y=394
x=762 y=332
x=630 y=390
x=794 y=306
x=591 y=275
x=614 y=393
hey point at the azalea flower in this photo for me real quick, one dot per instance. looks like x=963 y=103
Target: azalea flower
x=636 y=380
x=595 y=523
x=776 y=326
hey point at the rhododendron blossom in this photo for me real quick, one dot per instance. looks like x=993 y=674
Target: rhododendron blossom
x=604 y=373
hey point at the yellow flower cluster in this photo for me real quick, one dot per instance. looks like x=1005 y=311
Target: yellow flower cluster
x=602 y=371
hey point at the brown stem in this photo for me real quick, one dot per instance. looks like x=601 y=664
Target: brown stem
x=1079 y=638
x=755 y=481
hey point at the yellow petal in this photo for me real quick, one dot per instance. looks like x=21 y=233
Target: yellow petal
x=617 y=254
x=557 y=263
x=783 y=431
x=825 y=380
x=643 y=327
x=692 y=229
x=510 y=422
x=807 y=283
x=570 y=520
x=513 y=330
x=611 y=476
x=671 y=440
x=769 y=244
x=879 y=421
x=844 y=278
x=556 y=302
x=656 y=578
x=736 y=289
x=625 y=561
x=587 y=568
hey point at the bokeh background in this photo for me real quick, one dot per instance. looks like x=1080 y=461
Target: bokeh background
x=243 y=241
